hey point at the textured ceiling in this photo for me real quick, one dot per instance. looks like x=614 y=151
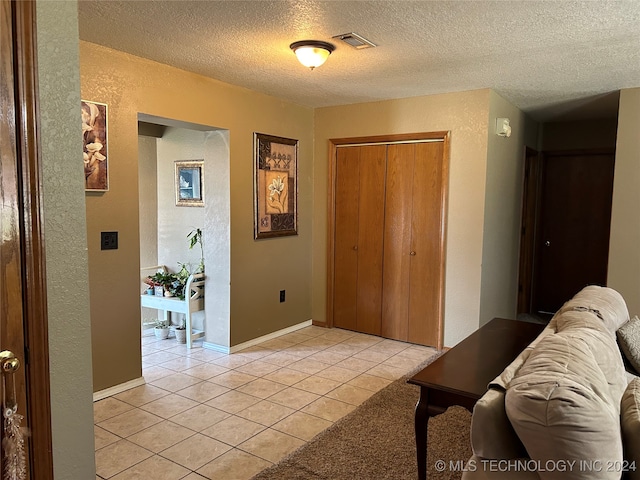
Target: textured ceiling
x=553 y=59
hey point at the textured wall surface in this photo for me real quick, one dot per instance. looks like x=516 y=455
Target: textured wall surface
x=65 y=236
x=624 y=247
x=258 y=269
x=503 y=210
x=466 y=115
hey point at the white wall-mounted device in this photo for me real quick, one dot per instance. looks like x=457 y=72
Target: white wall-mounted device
x=503 y=129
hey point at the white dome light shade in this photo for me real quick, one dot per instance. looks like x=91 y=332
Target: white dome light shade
x=312 y=53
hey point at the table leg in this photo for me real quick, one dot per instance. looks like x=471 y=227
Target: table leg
x=421 y=425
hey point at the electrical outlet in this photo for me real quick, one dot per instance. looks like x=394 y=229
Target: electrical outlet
x=108 y=240
x=281 y=296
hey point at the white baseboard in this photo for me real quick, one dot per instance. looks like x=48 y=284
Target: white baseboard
x=108 y=392
x=255 y=341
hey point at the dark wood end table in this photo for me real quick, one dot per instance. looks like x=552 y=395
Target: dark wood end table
x=461 y=375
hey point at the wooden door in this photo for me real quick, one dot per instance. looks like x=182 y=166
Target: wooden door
x=23 y=325
x=359 y=220
x=413 y=243
x=572 y=249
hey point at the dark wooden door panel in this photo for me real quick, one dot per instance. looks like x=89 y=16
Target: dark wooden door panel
x=573 y=245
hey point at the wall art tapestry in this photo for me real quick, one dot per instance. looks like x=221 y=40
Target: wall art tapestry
x=276 y=186
x=190 y=183
x=94 y=146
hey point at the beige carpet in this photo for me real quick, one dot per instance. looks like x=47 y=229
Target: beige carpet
x=376 y=441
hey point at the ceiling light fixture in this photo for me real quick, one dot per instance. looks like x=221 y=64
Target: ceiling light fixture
x=312 y=53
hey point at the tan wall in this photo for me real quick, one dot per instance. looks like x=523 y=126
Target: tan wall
x=65 y=237
x=624 y=247
x=258 y=269
x=465 y=114
x=503 y=210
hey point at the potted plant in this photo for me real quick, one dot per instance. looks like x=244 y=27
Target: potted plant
x=181 y=333
x=161 y=329
x=195 y=238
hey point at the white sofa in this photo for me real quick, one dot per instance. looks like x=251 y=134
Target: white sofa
x=566 y=408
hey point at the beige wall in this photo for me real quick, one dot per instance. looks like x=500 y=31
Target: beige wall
x=466 y=115
x=65 y=236
x=258 y=269
x=503 y=209
x=624 y=247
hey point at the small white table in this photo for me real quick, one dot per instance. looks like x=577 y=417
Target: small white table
x=193 y=302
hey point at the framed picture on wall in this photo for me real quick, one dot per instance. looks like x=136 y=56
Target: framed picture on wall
x=190 y=183
x=276 y=186
x=94 y=146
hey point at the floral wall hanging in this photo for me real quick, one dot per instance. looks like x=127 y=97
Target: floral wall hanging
x=276 y=186
x=94 y=146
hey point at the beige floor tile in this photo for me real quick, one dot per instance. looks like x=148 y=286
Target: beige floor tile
x=419 y=352
x=169 y=406
x=276 y=344
x=302 y=425
x=157 y=358
x=119 y=456
x=181 y=363
x=386 y=371
x=338 y=374
x=357 y=364
x=203 y=391
x=301 y=351
x=161 y=436
x=232 y=379
x=130 y=422
x=195 y=476
x=344 y=349
x=317 y=385
x=232 y=361
x=205 y=371
x=329 y=409
x=108 y=408
x=363 y=339
x=330 y=358
x=141 y=395
x=206 y=355
x=154 y=373
x=403 y=362
x=258 y=368
x=296 y=337
x=233 y=465
x=350 y=394
x=271 y=445
x=103 y=438
x=233 y=402
x=195 y=451
x=265 y=412
x=338 y=334
x=390 y=346
x=369 y=382
x=280 y=359
x=234 y=430
x=312 y=331
x=320 y=342
x=286 y=376
x=156 y=468
x=261 y=388
x=256 y=352
x=293 y=398
x=373 y=355
x=200 y=417
x=175 y=381
x=306 y=365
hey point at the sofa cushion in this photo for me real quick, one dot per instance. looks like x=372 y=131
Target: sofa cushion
x=562 y=404
x=603 y=303
x=629 y=341
x=630 y=423
x=492 y=435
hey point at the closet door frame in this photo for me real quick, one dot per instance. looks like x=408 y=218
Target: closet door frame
x=336 y=143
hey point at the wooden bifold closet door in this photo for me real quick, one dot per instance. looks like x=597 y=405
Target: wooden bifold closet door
x=389 y=240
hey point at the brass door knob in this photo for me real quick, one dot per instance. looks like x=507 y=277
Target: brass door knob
x=8 y=362
x=412 y=253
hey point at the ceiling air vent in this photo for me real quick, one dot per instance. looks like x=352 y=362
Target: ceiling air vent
x=355 y=40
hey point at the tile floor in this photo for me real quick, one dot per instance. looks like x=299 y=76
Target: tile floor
x=209 y=415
